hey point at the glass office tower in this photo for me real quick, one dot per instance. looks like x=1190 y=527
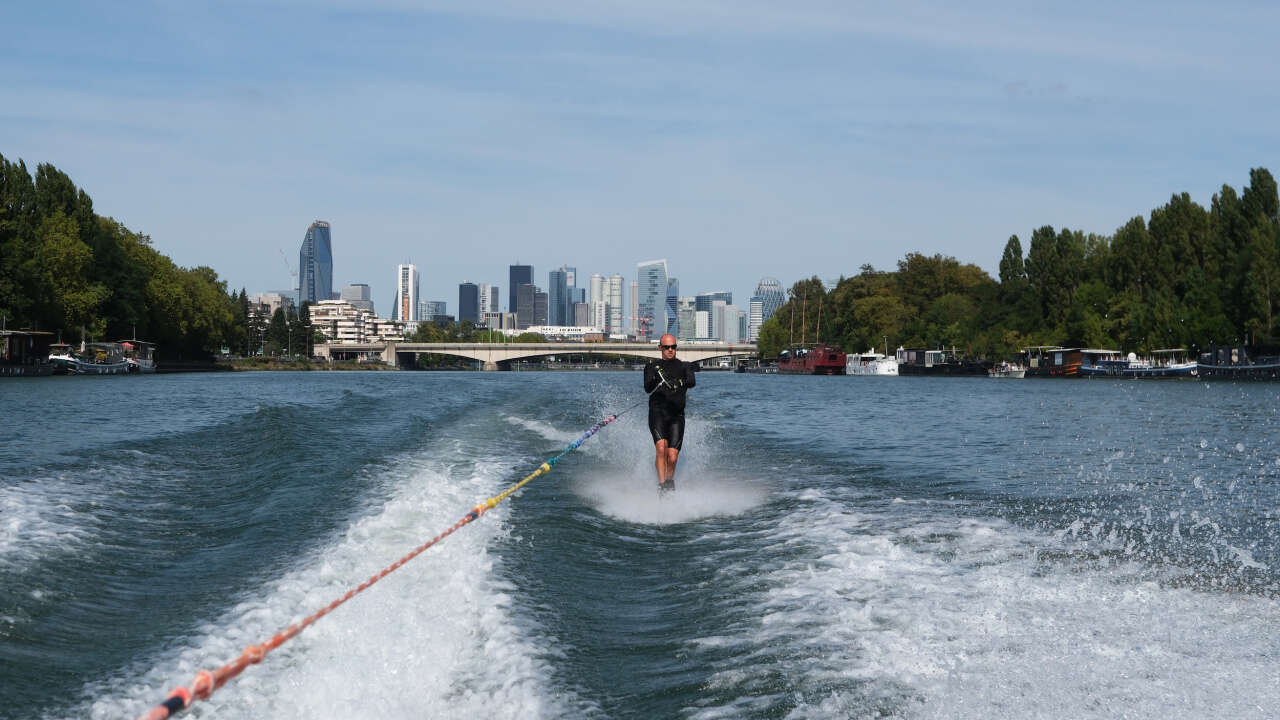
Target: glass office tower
x=519 y=275
x=469 y=302
x=651 y=299
x=315 y=264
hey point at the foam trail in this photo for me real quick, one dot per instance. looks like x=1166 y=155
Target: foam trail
x=904 y=609
x=440 y=637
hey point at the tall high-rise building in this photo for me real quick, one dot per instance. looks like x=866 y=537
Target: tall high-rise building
x=488 y=298
x=539 y=308
x=705 y=301
x=614 y=298
x=315 y=264
x=573 y=293
x=755 y=319
x=405 y=308
x=595 y=288
x=685 y=311
x=651 y=299
x=469 y=302
x=771 y=296
x=518 y=275
x=597 y=305
x=526 y=296
x=716 y=320
x=730 y=325
x=557 y=296
x=672 y=306
x=635 y=310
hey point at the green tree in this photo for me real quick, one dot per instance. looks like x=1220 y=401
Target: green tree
x=65 y=262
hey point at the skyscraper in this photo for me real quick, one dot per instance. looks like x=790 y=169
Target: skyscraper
x=635 y=312
x=685 y=311
x=672 y=306
x=573 y=294
x=488 y=298
x=651 y=299
x=405 y=308
x=526 y=296
x=706 y=301
x=771 y=296
x=614 y=296
x=315 y=264
x=557 y=296
x=755 y=319
x=469 y=302
x=730 y=325
x=519 y=275
x=539 y=308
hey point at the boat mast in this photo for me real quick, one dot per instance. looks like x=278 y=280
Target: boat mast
x=804 y=305
x=791 y=339
x=817 y=335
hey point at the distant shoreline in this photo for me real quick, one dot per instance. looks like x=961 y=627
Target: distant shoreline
x=271 y=364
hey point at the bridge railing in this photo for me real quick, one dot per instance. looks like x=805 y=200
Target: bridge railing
x=505 y=352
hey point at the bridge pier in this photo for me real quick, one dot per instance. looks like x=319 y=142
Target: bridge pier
x=490 y=366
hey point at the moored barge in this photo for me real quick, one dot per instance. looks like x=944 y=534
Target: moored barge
x=818 y=360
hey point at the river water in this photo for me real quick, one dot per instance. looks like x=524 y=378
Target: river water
x=837 y=547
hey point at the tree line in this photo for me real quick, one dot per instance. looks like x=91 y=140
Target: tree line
x=1185 y=276
x=66 y=269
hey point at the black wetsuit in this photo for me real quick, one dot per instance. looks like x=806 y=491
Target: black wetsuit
x=671 y=378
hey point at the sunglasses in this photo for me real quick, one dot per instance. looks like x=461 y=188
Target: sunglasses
x=667 y=347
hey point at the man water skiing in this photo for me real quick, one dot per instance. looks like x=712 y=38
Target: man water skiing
x=666 y=381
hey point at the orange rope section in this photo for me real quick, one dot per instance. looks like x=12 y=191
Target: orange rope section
x=205 y=682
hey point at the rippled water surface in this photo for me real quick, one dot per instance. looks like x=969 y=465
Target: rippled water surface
x=837 y=547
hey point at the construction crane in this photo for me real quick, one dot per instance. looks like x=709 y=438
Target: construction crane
x=293 y=274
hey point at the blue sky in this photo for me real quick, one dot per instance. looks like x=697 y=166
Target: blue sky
x=737 y=139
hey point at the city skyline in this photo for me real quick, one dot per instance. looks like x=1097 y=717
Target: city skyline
x=527 y=272
x=739 y=140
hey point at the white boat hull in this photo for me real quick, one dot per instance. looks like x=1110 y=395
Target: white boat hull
x=883 y=367
x=1007 y=373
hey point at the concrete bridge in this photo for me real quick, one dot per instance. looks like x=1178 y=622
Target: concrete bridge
x=495 y=356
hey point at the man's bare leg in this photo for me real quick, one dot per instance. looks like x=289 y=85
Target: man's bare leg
x=672 y=456
x=660 y=462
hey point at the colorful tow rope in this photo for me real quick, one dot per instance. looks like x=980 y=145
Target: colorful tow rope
x=205 y=682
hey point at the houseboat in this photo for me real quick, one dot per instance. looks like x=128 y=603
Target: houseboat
x=1240 y=362
x=1050 y=361
x=1006 y=369
x=139 y=355
x=25 y=353
x=1166 y=363
x=919 y=361
x=93 y=359
x=817 y=360
x=871 y=363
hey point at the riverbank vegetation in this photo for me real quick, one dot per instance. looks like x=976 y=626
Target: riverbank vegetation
x=1184 y=276
x=64 y=268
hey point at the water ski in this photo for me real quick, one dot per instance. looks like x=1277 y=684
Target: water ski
x=666 y=487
